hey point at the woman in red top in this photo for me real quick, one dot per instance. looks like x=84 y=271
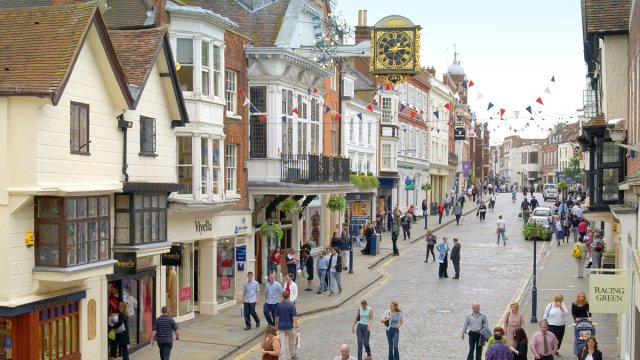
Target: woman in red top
x=270 y=347
x=440 y=211
x=582 y=227
x=275 y=260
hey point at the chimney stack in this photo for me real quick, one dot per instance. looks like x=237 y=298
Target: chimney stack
x=363 y=32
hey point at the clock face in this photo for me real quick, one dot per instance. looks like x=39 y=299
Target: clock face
x=394 y=49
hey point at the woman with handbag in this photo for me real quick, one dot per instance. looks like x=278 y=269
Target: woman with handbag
x=121 y=329
x=392 y=319
x=364 y=318
x=308 y=269
x=554 y=313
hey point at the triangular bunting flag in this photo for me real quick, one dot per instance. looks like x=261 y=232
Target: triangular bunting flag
x=308 y=90
x=380 y=88
x=553 y=78
x=539 y=101
x=480 y=96
x=547 y=90
x=295 y=111
x=370 y=107
x=447 y=106
x=327 y=109
x=489 y=106
x=262 y=117
x=338 y=116
x=246 y=102
x=464 y=84
x=436 y=114
x=516 y=113
x=315 y=90
x=402 y=107
x=529 y=109
x=502 y=112
x=471 y=83
x=387 y=87
x=240 y=92
x=253 y=109
x=284 y=119
x=412 y=114
x=360 y=116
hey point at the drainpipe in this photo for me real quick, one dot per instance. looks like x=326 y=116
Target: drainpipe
x=124 y=125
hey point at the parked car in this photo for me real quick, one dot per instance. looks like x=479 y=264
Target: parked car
x=542 y=211
x=549 y=193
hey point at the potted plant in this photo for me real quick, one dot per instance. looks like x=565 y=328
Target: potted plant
x=337 y=203
x=289 y=205
x=532 y=230
x=273 y=229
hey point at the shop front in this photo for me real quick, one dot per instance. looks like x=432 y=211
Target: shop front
x=384 y=201
x=360 y=211
x=45 y=329
x=208 y=261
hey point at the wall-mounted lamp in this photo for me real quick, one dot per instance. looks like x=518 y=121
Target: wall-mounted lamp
x=124 y=124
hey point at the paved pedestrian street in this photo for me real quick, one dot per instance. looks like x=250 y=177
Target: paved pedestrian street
x=434 y=309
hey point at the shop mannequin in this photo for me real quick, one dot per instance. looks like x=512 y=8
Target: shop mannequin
x=172 y=290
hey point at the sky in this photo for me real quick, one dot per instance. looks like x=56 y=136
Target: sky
x=510 y=49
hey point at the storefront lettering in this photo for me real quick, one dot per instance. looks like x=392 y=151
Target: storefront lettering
x=609 y=294
x=202 y=227
x=43 y=305
x=127 y=263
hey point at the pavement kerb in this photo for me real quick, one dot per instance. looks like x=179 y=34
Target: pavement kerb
x=348 y=298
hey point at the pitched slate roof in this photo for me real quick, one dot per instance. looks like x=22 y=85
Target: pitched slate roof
x=137 y=51
x=262 y=25
x=122 y=13
x=39 y=47
x=606 y=16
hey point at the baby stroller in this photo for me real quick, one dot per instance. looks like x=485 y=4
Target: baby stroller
x=584 y=330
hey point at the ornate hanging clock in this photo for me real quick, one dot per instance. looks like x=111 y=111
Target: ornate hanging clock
x=395 y=47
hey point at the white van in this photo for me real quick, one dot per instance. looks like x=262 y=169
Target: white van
x=549 y=191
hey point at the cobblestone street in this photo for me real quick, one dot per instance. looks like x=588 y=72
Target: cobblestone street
x=434 y=309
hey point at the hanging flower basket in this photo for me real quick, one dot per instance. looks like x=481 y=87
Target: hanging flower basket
x=291 y=206
x=426 y=187
x=337 y=203
x=271 y=230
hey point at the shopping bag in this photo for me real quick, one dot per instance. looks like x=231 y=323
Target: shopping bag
x=441 y=257
x=112 y=334
x=505 y=237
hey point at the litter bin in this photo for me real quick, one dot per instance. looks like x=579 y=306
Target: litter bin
x=375 y=245
x=433 y=209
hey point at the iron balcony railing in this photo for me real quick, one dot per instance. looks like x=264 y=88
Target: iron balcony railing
x=314 y=169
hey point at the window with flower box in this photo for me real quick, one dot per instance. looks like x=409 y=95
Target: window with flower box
x=72 y=231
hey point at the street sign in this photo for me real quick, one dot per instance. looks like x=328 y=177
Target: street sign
x=409 y=184
x=459 y=133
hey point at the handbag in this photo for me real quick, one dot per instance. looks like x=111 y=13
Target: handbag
x=112 y=334
x=305 y=274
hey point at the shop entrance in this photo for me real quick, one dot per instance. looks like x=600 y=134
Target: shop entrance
x=138 y=292
x=261 y=253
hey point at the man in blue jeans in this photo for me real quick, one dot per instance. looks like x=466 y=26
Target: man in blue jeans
x=250 y=291
x=162 y=333
x=272 y=291
x=474 y=323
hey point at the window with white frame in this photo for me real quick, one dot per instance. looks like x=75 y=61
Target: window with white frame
x=315 y=126
x=231 y=91
x=387 y=111
x=360 y=132
x=303 y=119
x=185 y=164
x=385 y=156
x=215 y=166
x=287 y=128
x=351 y=130
x=204 y=163
x=204 y=68
x=208 y=66
x=217 y=75
x=231 y=164
x=369 y=131
x=204 y=169
x=184 y=56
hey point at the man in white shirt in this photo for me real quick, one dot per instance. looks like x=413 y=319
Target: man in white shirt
x=345 y=353
x=577 y=211
x=501 y=229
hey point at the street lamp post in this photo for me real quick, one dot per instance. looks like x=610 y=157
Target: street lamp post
x=269 y=242
x=534 y=289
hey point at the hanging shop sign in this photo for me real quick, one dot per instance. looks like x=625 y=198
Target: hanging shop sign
x=459 y=133
x=241 y=253
x=173 y=257
x=609 y=293
x=126 y=263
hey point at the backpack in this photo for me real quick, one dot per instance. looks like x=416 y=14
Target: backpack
x=576 y=252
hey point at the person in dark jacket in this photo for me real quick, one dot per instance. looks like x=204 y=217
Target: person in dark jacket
x=395 y=232
x=368 y=235
x=455 y=257
x=308 y=264
x=406 y=225
x=591 y=348
x=534 y=203
x=121 y=328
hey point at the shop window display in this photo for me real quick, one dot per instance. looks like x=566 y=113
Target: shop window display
x=6 y=339
x=185 y=283
x=59 y=332
x=225 y=271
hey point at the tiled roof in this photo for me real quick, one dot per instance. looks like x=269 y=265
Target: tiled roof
x=137 y=50
x=606 y=16
x=120 y=13
x=262 y=25
x=39 y=45
x=7 y=4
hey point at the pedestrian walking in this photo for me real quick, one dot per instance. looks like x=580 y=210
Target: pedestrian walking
x=322 y=266
x=395 y=233
x=440 y=210
x=425 y=207
x=292 y=263
x=431 y=240
x=513 y=321
x=597 y=249
x=368 y=236
x=121 y=328
x=274 y=261
x=250 y=292
x=287 y=325
x=492 y=201
x=521 y=346
x=524 y=206
x=513 y=195
x=579 y=252
x=457 y=211
x=482 y=210
x=308 y=267
x=406 y=225
x=501 y=229
x=272 y=291
x=362 y=328
x=392 y=319
x=498 y=330
x=379 y=217
x=580 y=307
x=498 y=350
x=455 y=257
x=291 y=287
x=534 y=202
x=462 y=199
x=555 y=313
x=566 y=228
x=270 y=347
x=474 y=322
x=443 y=253
x=575 y=222
x=397 y=214
x=162 y=332
x=335 y=269
x=447 y=204
x=543 y=343
x=590 y=351
x=345 y=353
x=559 y=230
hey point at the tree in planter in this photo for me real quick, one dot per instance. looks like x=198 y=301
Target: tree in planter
x=562 y=186
x=532 y=230
x=426 y=187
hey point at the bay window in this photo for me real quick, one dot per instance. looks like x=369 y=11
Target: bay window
x=72 y=231
x=206 y=83
x=202 y=75
x=198 y=163
x=204 y=163
x=185 y=164
x=215 y=166
x=141 y=218
x=184 y=56
x=217 y=76
x=386 y=156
